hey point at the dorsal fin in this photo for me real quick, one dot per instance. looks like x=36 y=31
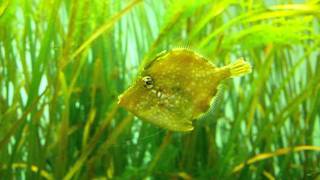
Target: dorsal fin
x=155 y=59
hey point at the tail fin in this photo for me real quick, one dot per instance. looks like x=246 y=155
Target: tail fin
x=239 y=68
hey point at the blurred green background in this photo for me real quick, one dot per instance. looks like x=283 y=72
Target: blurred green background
x=63 y=64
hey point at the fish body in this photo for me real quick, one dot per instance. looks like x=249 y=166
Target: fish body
x=176 y=88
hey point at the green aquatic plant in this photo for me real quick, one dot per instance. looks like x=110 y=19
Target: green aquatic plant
x=63 y=64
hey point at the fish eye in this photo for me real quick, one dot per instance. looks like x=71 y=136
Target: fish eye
x=148 y=82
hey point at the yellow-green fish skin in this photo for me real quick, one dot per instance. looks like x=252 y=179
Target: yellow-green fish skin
x=183 y=85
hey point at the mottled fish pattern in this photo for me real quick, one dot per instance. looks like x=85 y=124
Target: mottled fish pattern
x=177 y=87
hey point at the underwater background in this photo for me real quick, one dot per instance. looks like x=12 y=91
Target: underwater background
x=63 y=64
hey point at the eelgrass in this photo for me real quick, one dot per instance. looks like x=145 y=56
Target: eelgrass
x=63 y=64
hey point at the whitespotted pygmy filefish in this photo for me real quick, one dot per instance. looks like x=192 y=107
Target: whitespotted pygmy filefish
x=177 y=87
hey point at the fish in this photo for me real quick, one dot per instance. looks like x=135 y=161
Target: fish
x=177 y=87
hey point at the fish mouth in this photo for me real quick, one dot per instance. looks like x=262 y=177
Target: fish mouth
x=123 y=101
x=120 y=100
